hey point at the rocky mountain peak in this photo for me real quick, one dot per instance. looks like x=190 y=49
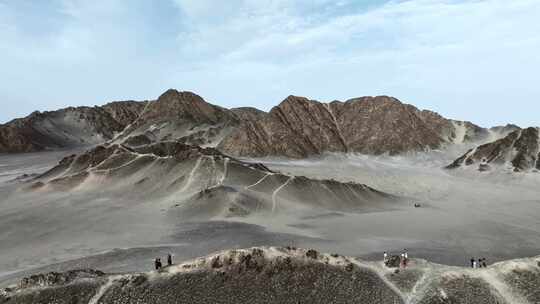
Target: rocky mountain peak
x=182 y=105
x=292 y=99
x=182 y=96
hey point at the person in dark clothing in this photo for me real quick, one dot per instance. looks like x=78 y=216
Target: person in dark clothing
x=472 y=262
x=169 y=259
x=156 y=264
x=484 y=264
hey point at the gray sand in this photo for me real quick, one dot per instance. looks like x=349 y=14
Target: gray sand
x=464 y=214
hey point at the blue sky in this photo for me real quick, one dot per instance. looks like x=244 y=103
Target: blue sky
x=473 y=60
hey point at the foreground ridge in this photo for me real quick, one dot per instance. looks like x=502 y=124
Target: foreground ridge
x=287 y=275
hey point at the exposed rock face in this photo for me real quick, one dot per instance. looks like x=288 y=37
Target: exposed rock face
x=70 y=127
x=393 y=261
x=247 y=113
x=291 y=275
x=125 y=112
x=520 y=149
x=385 y=125
x=299 y=127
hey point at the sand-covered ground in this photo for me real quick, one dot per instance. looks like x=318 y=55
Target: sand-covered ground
x=463 y=214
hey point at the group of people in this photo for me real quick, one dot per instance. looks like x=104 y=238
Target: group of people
x=404 y=258
x=157 y=262
x=480 y=263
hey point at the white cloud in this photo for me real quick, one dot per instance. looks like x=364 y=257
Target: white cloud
x=466 y=59
x=463 y=58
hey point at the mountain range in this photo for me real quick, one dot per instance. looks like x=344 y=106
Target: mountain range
x=296 y=128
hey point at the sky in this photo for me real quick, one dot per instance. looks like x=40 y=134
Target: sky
x=469 y=60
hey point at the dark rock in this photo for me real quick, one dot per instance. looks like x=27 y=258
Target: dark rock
x=393 y=261
x=138 y=140
x=483 y=167
x=312 y=254
x=216 y=263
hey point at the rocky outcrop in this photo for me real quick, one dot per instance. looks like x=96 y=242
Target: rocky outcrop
x=69 y=127
x=393 y=261
x=519 y=150
x=293 y=275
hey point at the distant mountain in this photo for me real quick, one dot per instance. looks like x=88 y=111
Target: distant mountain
x=69 y=127
x=297 y=127
x=519 y=150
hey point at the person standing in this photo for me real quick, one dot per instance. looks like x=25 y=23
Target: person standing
x=405 y=258
x=472 y=262
x=169 y=259
x=475 y=264
x=156 y=263
x=385 y=256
